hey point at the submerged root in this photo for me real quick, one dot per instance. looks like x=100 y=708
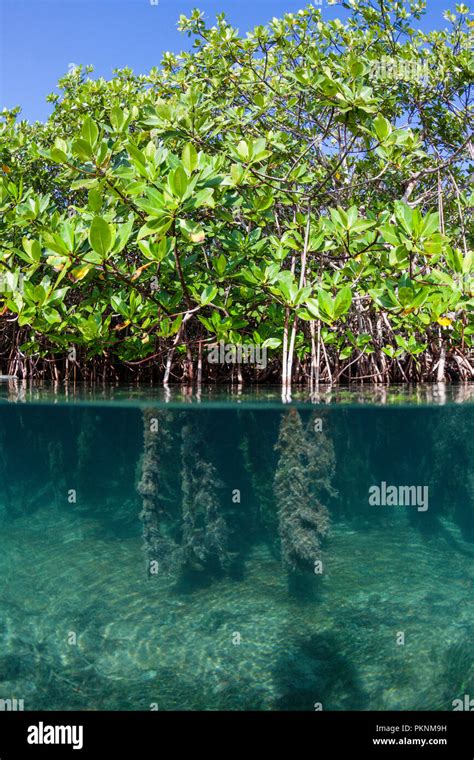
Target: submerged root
x=205 y=532
x=159 y=547
x=303 y=519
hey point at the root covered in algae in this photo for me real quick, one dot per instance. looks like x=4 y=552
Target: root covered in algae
x=186 y=531
x=159 y=546
x=303 y=473
x=205 y=532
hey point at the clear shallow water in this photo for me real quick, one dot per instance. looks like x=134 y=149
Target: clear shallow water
x=165 y=556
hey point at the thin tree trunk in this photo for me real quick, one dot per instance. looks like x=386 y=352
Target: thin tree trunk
x=284 y=369
x=318 y=355
x=327 y=361
x=301 y=284
x=169 y=359
x=199 y=366
x=312 y=378
x=440 y=375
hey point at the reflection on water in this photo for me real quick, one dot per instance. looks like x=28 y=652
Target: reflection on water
x=17 y=391
x=231 y=558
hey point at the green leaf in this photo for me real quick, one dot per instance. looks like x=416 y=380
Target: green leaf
x=137 y=155
x=326 y=304
x=60 y=144
x=351 y=217
x=454 y=258
x=93 y=258
x=192 y=231
x=434 y=244
x=346 y=352
x=220 y=265
x=160 y=228
x=58 y=156
x=54 y=242
x=390 y=233
x=404 y=215
x=343 y=302
x=203 y=198
x=405 y=295
x=430 y=225
x=208 y=295
x=101 y=236
x=83 y=183
x=82 y=149
x=382 y=127
x=313 y=307
x=117 y=118
x=123 y=235
x=94 y=198
x=243 y=150
x=39 y=294
x=32 y=248
x=119 y=305
x=189 y=158
x=271 y=343
x=90 y=132
x=179 y=182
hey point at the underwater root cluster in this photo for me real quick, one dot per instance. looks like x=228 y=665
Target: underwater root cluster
x=303 y=519
x=205 y=531
x=195 y=539
x=159 y=547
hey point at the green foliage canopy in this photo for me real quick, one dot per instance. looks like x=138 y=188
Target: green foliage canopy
x=304 y=187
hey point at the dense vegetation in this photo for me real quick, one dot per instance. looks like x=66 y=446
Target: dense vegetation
x=303 y=188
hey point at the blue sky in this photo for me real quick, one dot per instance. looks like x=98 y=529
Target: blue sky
x=40 y=38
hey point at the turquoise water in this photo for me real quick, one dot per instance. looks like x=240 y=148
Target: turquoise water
x=225 y=554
